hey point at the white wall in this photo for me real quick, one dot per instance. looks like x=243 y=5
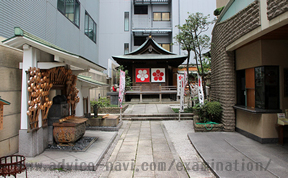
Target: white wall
x=111 y=29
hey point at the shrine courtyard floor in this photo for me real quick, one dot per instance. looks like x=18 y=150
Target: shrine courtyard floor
x=165 y=148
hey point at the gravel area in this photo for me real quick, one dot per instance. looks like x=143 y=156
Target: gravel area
x=178 y=131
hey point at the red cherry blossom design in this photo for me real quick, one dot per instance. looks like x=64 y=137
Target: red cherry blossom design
x=158 y=75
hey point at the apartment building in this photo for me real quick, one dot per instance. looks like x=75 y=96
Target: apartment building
x=126 y=24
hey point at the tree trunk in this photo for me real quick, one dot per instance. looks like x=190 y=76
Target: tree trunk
x=187 y=69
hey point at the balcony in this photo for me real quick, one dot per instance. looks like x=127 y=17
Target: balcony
x=140 y=2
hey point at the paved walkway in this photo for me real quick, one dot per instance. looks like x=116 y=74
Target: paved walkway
x=231 y=154
x=178 y=134
x=146 y=150
x=149 y=109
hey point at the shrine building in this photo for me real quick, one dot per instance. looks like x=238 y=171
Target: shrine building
x=153 y=71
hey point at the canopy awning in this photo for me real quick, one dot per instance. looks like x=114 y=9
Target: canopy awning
x=22 y=37
x=90 y=83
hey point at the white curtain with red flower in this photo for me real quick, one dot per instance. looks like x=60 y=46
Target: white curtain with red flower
x=142 y=75
x=157 y=74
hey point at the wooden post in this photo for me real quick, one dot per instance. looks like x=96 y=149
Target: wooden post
x=140 y=93
x=120 y=114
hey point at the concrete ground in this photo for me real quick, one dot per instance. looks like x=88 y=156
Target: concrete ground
x=146 y=149
x=149 y=109
x=169 y=149
x=230 y=154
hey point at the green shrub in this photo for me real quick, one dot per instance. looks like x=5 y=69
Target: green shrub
x=186 y=110
x=214 y=110
x=201 y=111
x=102 y=102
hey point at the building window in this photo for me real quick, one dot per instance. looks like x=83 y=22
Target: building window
x=161 y=16
x=71 y=9
x=139 y=40
x=126 y=48
x=140 y=9
x=126 y=21
x=165 y=46
x=90 y=27
x=258 y=87
x=267 y=87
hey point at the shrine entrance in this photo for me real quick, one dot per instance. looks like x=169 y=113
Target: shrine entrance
x=153 y=71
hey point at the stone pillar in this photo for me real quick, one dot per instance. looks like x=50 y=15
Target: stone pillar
x=30 y=143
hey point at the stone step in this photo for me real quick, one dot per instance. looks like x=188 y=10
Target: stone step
x=155 y=118
x=159 y=115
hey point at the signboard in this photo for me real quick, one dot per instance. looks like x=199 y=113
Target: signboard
x=1 y=116
x=121 y=87
x=200 y=90
x=157 y=74
x=142 y=75
x=179 y=77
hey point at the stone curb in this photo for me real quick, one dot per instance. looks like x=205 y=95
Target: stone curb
x=212 y=170
x=91 y=166
x=156 y=118
x=109 y=129
x=157 y=115
x=174 y=153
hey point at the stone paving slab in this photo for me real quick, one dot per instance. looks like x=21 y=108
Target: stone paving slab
x=141 y=109
x=177 y=131
x=155 y=157
x=230 y=154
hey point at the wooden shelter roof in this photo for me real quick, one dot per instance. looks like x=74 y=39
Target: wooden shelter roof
x=150 y=50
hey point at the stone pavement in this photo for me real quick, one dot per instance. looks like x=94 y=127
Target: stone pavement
x=149 y=109
x=177 y=132
x=230 y=154
x=87 y=160
x=145 y=150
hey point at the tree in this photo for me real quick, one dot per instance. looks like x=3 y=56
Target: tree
x=191 y=38
x=127 y=77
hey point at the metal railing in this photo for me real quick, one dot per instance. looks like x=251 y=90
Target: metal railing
x=152 y=1
x=161 y=88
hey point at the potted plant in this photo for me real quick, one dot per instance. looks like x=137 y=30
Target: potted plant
x=207 y=117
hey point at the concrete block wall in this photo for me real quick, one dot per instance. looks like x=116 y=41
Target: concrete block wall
x=276 y=7
x=223 y=76
x=10 y=90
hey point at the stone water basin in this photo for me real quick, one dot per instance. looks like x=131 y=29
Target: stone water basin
x=69 y=131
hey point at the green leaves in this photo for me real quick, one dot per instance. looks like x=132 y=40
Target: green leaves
x=192 y=38
x=128 y=81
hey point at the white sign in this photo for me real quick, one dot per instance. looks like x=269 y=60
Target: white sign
x=157 y=74
x=182 y=95
x=179 y=77
x=121 y=87
x=200 y=90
